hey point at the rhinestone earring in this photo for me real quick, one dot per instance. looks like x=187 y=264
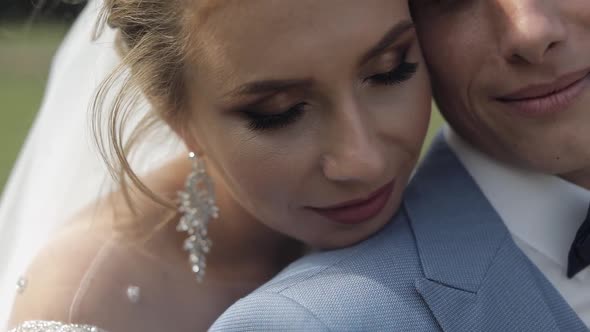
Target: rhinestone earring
x=198 y=208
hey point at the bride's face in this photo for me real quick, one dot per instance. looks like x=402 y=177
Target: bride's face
x=310 y=114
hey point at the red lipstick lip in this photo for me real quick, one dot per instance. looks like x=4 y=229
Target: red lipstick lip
x=359 y=210
x=537 y=91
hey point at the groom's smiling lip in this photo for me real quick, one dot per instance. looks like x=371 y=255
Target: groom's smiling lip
x=359 y=210
x=548 y=98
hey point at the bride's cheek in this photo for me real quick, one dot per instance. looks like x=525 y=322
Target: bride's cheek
x=265 y=182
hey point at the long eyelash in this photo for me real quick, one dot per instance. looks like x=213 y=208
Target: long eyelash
x=403 y=72
x=261 y=122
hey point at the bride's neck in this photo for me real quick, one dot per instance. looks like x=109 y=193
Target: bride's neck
x=240 y=238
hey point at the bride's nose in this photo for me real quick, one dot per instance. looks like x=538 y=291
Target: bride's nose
x=352 y=152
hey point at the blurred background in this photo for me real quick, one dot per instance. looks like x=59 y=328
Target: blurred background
x=30 y=32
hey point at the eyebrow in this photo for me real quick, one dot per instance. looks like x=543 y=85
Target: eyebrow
x=269 y=86
x=390 y=37
x=273 y=86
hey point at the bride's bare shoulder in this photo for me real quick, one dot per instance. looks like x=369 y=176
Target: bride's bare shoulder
x=85 y=274
x=94 y=273
x=91 y=274
x=53 y=279
x=64 y=267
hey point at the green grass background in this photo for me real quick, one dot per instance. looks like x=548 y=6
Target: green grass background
x=25 y=56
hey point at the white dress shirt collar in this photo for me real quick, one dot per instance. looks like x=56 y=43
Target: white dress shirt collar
x=542 y=210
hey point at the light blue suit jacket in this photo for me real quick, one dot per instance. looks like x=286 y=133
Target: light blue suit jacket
x=446 y=262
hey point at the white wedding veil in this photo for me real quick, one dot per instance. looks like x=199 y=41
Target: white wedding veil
x=59 y=170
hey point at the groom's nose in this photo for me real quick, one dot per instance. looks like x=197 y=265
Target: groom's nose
x=528 y=30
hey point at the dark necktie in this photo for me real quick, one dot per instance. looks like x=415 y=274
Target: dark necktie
x=579 y=256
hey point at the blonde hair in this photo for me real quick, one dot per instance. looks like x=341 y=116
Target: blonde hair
x=152 y=41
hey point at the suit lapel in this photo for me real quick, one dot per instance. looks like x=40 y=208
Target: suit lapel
x=475 y=278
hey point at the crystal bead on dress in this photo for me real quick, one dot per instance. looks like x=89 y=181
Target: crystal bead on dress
x=21 y=284
x=133 y=294
x=50 y=326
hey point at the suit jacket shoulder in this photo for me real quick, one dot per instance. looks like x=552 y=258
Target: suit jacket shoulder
x=370 y=286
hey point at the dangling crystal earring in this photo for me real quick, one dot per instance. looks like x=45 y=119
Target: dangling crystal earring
x=198 y=207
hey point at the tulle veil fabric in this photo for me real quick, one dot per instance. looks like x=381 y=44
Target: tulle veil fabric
x=59 y=169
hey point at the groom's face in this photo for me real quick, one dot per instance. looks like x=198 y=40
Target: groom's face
x=512 y=77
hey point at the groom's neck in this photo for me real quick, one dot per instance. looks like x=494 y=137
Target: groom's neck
x=580 y=177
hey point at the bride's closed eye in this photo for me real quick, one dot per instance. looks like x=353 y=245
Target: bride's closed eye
x=261 y=121
x=399 y=74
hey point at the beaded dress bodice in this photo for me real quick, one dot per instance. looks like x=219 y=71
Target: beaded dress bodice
x=46 y=326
